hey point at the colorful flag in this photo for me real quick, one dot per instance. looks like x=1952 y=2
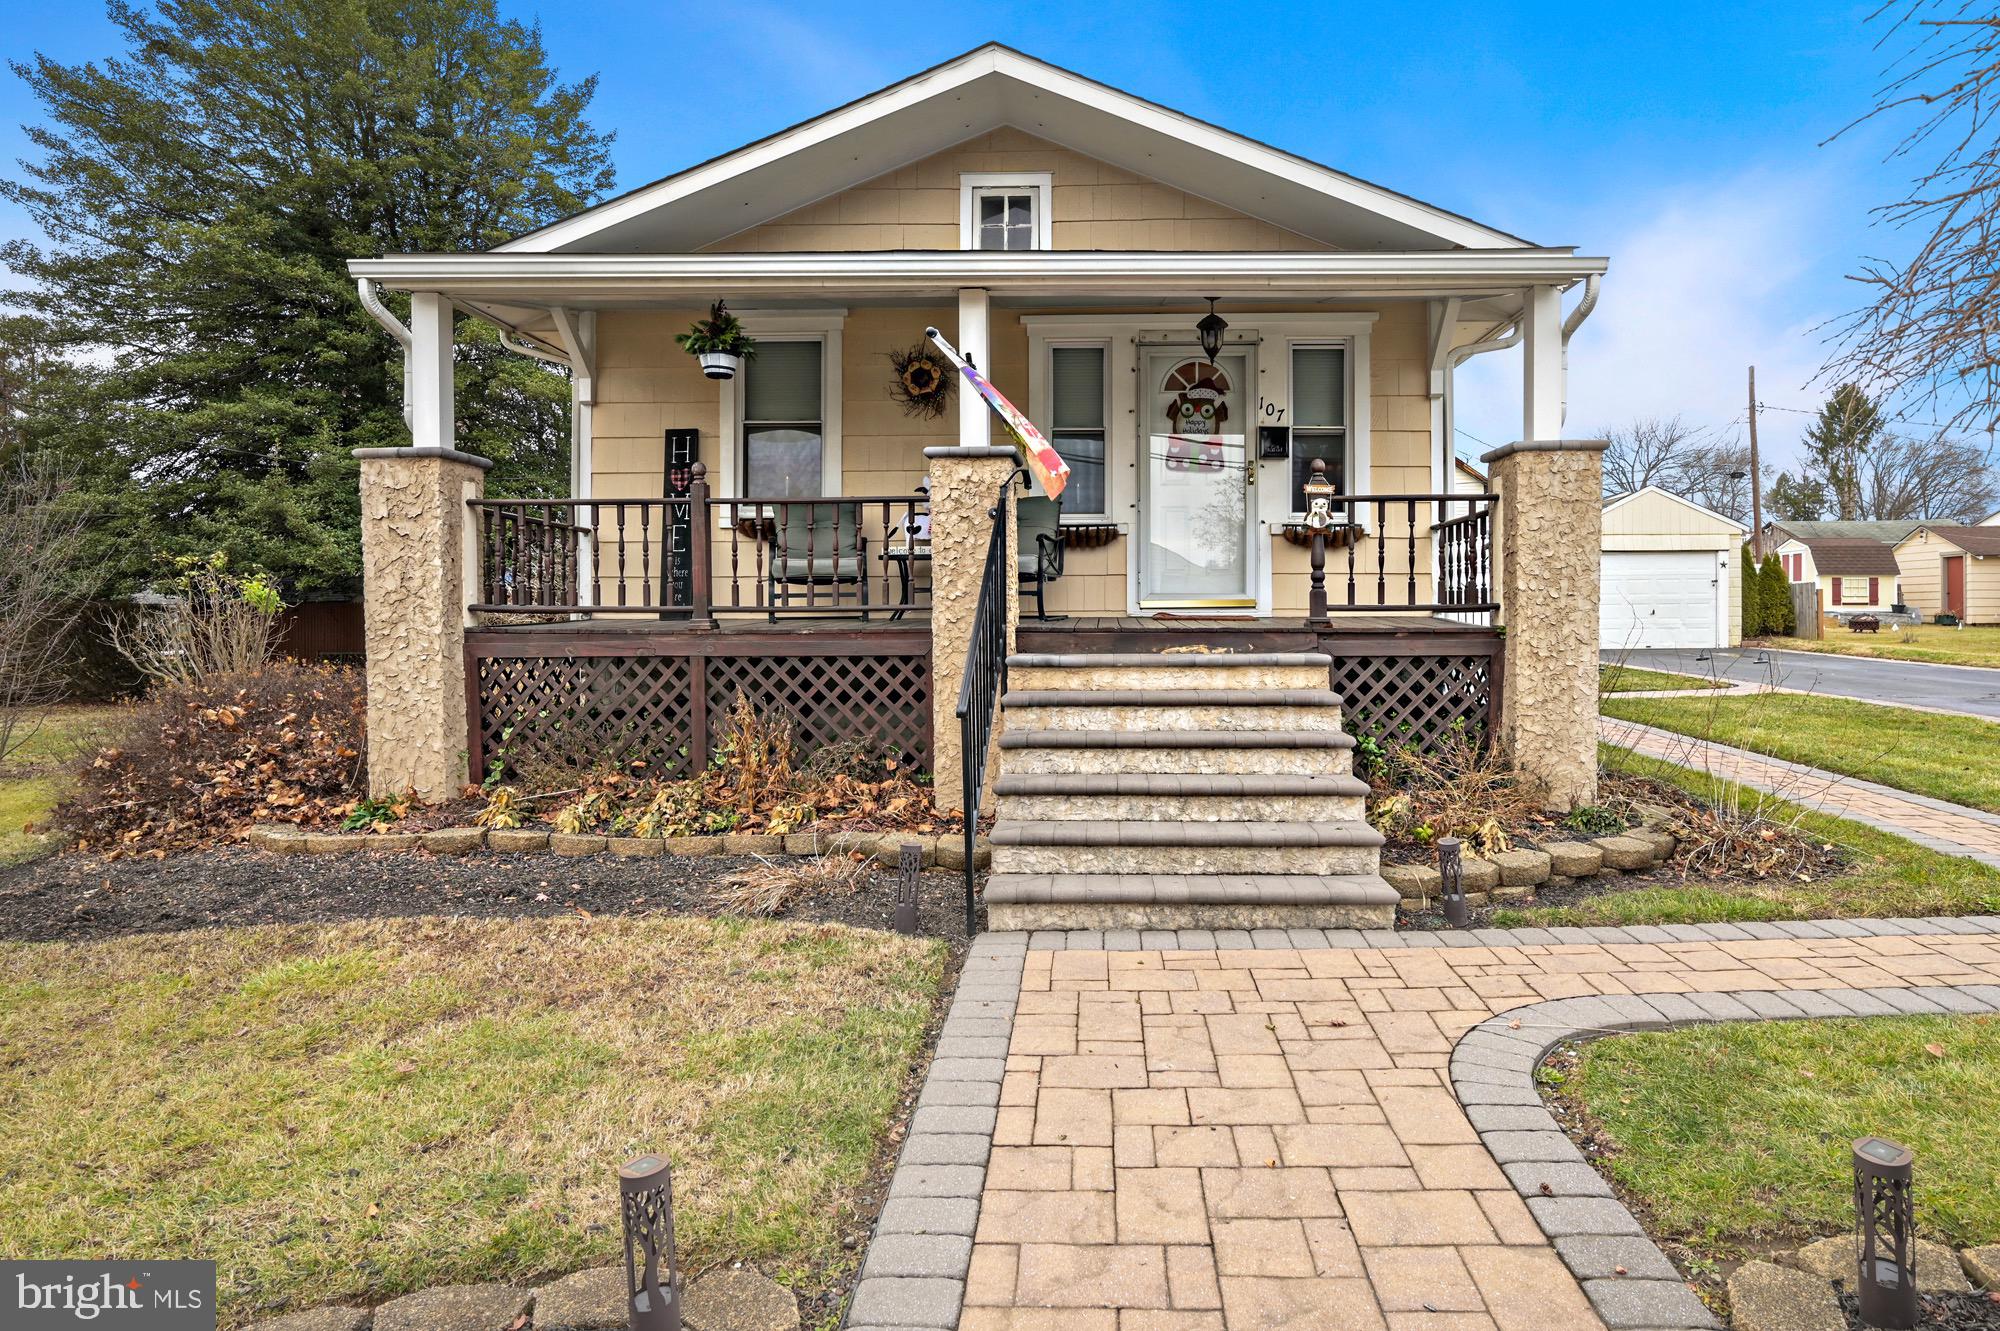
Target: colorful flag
x=1043 y=460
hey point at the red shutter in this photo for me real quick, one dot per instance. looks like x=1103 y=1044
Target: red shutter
x=1874 y=591
x=1837 y=598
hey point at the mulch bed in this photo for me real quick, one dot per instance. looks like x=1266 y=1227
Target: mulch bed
x=78 y=897
x=1956 y=1311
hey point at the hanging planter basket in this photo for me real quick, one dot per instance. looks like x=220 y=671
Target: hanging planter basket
x=718 y=343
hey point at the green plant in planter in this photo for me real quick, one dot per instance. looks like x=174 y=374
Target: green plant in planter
x=719 y=342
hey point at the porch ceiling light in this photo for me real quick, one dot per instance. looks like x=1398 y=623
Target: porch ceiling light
x=1211 y=328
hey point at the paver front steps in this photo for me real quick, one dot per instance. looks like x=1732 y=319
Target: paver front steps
x=1157 y=790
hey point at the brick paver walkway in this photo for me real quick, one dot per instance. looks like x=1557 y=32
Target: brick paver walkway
x=1257 y=1138
x=1950 y=828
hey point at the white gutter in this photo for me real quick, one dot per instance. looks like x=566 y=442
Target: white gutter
x=371 y=301
x=1570 y=325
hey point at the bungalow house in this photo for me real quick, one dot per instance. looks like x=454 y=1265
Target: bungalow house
x=1852 y=575
x=1952 y=570
x=1199 y=321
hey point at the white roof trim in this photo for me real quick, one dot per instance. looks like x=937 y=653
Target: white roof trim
x=1682 y=500
x=996 y=60
x=1494 y=269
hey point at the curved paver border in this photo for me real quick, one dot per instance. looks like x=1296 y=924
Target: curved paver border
x=1627 y=1278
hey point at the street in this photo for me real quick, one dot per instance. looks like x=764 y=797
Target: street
x=1972 y=690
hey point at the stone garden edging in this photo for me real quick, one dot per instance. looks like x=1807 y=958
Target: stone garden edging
x=1628 y=1280
x=939 y=852
x=914 y=1274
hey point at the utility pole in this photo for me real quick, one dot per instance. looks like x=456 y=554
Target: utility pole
x=1756 y=479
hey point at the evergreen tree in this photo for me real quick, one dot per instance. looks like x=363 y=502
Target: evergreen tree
x=1753 y=593
x=200 y=194
x=1795 y=499
x=1837 y=444
x=1779 y=618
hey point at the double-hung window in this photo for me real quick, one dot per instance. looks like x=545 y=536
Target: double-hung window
x=784 y=422
x=1319 y=418
x=1004 y=219
x=1005 y=210
x=1076 y=418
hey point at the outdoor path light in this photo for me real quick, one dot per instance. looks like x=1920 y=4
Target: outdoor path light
x=1451 y=868
x=909 y=860
x=1884 y=1217
x=652 y=1284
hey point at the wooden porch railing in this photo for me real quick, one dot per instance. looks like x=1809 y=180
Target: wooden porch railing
x=694 y=557
x=1403 y=524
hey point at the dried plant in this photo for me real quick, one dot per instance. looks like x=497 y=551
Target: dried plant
x=503 y=809
x=770 y=889
x=211 y=624
x=41 y=530
x=756 y=750
x=1460 y=788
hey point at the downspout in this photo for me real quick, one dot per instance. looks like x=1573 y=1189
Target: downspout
x=1570 y=325
x=371 y=301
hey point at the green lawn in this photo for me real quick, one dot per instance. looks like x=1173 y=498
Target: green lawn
x=1736 y=1135
x=1890 y=876
x=345 y=1113
x=1631 y=679
x=1946 y=757
x=1926 y=642
x=31 y=780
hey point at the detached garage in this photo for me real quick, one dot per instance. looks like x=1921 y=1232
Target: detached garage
x=1669 y=574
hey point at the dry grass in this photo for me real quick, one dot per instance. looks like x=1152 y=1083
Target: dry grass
x=770 y=889
x=1932 y=643
x=345 y=1113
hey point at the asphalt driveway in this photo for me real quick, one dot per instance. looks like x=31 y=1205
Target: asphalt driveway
x=1973 y=690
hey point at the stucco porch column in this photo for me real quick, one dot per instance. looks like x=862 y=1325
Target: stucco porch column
x=966 y=483
x=1551 y=522
x=418 y=568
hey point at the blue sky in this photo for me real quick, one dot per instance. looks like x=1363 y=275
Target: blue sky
x=1681 y=140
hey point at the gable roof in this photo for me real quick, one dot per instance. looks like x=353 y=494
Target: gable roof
x=991 y=86
x=1888 y=531
x=1616 y=501
x=1972 y=540
x=1850 y=556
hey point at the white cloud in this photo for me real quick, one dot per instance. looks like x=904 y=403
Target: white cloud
x=1705 y=281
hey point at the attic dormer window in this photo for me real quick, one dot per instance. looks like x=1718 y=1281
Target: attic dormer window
x=1004 y=212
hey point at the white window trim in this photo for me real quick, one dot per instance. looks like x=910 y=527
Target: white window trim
x=1041 y=410
x=822 y=326
x=1125 y=333
x=1039 y=183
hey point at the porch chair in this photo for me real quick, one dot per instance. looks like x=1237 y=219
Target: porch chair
x=1040 y=557
x=818 y=545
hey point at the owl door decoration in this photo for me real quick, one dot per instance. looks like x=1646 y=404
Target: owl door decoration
x=1196 y=416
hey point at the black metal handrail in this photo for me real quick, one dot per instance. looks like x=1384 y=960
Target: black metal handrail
x=980 y=687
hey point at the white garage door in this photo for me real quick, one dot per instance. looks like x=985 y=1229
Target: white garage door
x=1658 y=598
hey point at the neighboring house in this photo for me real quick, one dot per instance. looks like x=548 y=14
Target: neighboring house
x=1952 y=570
x=1888 y=532
x=1853 y=575
x=753 y=536
x=1669 y=574
x=1990 y=520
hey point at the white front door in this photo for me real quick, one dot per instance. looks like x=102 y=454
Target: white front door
x=1661 y=598
x=1195 y=501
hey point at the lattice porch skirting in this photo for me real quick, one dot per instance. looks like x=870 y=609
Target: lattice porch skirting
x=667 y=700
x=1418 y=694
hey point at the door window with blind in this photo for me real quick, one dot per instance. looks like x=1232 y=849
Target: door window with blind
x=784 y=426
x=1076 y=421
x=1319 y=418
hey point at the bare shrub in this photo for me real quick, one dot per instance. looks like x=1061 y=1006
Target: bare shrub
x=771 y=889
x=41 y=532
x=280 y=744
x=213 y=624
x=1460 y=788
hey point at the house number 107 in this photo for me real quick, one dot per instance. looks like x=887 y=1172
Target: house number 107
x=1270 y=410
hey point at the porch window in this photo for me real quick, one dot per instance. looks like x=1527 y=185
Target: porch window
x=784 y=425
x=1077 y=421
x=1319 y=418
